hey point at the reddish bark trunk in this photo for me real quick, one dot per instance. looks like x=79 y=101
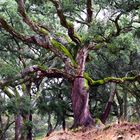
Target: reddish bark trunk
x=80 y=98
x=106 y=112
x=109 y=104
x=80 y=95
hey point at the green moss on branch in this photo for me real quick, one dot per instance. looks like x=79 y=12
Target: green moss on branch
x=64 y=50
x=115 y=80
x=110 y=79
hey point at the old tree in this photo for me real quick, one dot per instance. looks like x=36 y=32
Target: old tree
x=71 y=30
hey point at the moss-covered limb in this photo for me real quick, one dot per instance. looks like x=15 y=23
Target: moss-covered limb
x=19 y=78
x=64 y=51
x=74 y=36
x=116 y=80
x=110 y=79
x=23 y=87
x=86 y=85
x=65 y=23
x=43 y=31
x=90 y=80
x=54 y=73
x=66 y=37
x=7 y=92
x=72 y=33
x=34 y=39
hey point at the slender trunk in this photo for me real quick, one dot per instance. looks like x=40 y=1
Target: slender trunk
x=63 y=120
x=120 y=102
x=80 y=98
x=109 y=104
x=28 y=116
x=18 y=125
x=27 y=119
x=64 y=124
x=1 y=128
x=1 y=124
x=137 y=106
x=50 y=128
x=29 y=133
x=125 y=106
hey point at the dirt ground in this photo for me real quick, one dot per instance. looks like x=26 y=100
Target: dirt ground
x=123 y=131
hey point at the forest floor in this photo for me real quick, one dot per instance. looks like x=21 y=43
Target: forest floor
x=123 y=131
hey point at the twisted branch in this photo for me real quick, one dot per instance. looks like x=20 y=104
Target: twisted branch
x=34 y=73
x=9 y=29
x=69 y=26
x=26 y=19
x=116 y=80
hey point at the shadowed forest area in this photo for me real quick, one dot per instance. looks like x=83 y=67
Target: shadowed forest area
x=69 y=69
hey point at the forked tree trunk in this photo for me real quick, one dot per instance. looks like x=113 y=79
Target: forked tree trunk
x=80 y=100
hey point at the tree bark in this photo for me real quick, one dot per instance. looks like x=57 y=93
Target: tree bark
x=120 y=106
x=29 y=133
x=80 y=99
x=28 y=116
x=109 y=104
x=80 y=94
x=18 y=126
x=125 y=115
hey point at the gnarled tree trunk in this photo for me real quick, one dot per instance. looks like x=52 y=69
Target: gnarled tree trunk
x=80 y=95
x=80 y=99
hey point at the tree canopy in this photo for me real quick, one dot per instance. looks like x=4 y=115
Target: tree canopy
x=68 y=59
